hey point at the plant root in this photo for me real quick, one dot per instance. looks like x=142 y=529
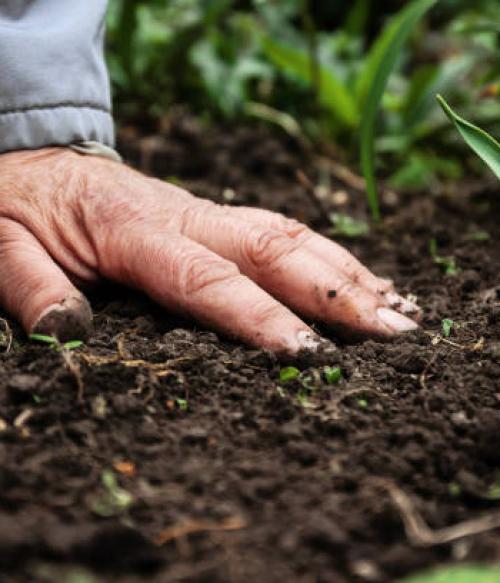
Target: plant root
x=419 y=534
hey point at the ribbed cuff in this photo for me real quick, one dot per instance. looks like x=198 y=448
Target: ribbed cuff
x=57 y=125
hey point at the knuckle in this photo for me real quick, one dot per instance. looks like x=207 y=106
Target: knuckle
x=197 y=272
x=266 y=247
x=290 y=227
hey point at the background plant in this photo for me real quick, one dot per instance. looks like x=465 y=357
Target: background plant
x=310 y=66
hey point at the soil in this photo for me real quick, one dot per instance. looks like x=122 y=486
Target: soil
x=222 y=472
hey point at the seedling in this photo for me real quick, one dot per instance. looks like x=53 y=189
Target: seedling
x=457 y=574
x=182 y=404
x=347 y=226
x=289 y=373
x=333 y=374
x=114 y=500
x=53 y=342
x=363 y=403
x=447 y=264
x=447 y=325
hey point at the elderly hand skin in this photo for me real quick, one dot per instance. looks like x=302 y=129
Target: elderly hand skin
x=68 y=220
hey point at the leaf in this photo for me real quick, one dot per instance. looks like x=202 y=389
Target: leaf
x=44 y=338
x=380 y=67
x=72 y=344
x=446 y=326
x=289 y=373
x=333 y=374
x=484 y=145
x=333 y=94
x=348 y=226
x=458 y=574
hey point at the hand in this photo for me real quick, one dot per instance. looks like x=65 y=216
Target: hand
x=67 y=220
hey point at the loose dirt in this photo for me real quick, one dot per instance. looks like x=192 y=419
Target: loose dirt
x=161 y=452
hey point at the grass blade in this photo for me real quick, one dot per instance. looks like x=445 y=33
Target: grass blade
x=333 y=94
x=484 y=145
x=387 y=56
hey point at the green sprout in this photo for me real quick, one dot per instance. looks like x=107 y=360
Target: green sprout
x=53 y=342
x=448 y=264
x=447 y=325
x=333 y=374
x=182 y=404
x=114 y=499
x=363 y=403
x=347 y=226
x=289 y=373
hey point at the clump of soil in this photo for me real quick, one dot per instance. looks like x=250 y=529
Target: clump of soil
x=160 y=451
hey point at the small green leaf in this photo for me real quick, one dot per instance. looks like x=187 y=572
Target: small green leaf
x=72 y=344
x=347 y=226
x=457 y=574
x=363 y=403
x=114 y=500
x=289 y=373
x=446 y=326
x=333 y=374
x=44 y=338
x=182 y=404
x=484 y=145
x=493 y=492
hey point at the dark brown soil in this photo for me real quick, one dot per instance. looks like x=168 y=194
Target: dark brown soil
x=253 y=482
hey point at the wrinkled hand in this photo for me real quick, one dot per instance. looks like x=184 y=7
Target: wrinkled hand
x=68 y=220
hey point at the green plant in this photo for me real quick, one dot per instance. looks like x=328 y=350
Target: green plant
x=333 y=374
x=447 y=326
x=114 y=500
x=378 y=71
x=53 y=342
x=457 y=574
x=347 y=226
x=484 y=145
x=289 y=373
x=182 y=404
x=447 y=264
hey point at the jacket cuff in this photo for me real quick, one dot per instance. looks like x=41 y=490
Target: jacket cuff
x=55 y=125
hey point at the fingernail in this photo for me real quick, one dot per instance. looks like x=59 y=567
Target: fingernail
x=307 y=340
x=401 y=304
x=70 y=319
x=395 y=320
x=315 y=343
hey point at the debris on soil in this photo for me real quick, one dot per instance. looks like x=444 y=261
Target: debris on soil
x=181 y=438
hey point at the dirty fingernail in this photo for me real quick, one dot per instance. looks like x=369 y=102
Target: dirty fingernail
x=70 y=319
x=395 y=320
x=315 y=343
x=401 y=304
x=307 y=340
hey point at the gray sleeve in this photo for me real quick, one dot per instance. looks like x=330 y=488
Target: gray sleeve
x=54 y=87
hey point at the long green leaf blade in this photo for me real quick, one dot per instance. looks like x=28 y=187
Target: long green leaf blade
x=484 y=145
x=333 y=93
x=387 y=56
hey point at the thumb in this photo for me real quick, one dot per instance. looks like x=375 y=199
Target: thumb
x=35 y=290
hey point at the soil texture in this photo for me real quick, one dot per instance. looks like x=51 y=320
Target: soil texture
x=160 y=452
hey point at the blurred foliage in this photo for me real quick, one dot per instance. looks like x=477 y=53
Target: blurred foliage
x=308 y=66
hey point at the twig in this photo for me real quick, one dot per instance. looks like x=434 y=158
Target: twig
x=424 y=372
x=420 y=534
x=310 y=189
x=74 y=369
x=194 y=526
